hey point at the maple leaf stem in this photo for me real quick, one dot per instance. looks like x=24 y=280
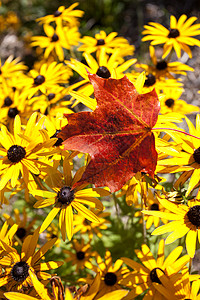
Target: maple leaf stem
x=171 y=129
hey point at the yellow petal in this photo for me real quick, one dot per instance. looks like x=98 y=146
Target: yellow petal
x=85 y=212
x=39 y=287
x=69 y=222
x=49 y=218
x=31 y=166
x=18 y=296
x=117 y=295
x=191 y=242
x=41 y=252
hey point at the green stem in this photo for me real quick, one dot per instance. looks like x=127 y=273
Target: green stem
x=176 y=130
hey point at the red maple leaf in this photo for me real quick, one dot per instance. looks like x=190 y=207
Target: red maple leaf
x=117 y=135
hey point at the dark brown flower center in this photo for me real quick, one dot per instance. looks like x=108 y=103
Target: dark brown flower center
x=86 y=222
x=65 y=195
x=196 y=155
x=154 y=206
x=169 y=102
x=80 y=255
x=21 y=233
x=12 y=112
x=100 y=42
x=193 y=215
x=51 y=96
x=16 y=153
x=57 y=13
x=19 y=271
x=103 y=72
x=7 y=101
x=173 y=33
x=154 y=276
x=53 y=236
x=59 y=140
x=39 y=80
x=55 y=38
x=150 y=80
x=161 y=65
x=110 y=278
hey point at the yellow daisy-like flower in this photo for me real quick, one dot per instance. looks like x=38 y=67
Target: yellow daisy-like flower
x=92 y=292
x=46 y=103
x=89 y=294
x=163 y=68
x=25 y=227
x=52 y=232
x=48 y=77
x=19 y=152
x=170 y=102
x=17 y=267
x=56 y=40
x=144 y=275
x=185 y=221
x=102 y=40
x=53 y=127
x=152 y=203
x=82 y=255
x=184 y=290
x=84 y=226
x=11 y=67
x=110 y=274
x=104 y=67
x=39 y=287
x=150 y=82
x=179 y=36
x=7 y=234
x=13 y=103
x=67 y=15
x=12 y=20
x=186 y=160
x=66 y=201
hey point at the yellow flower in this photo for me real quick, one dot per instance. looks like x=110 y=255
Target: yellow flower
x=185 y=160
x=170 y=102
x=92 y=292
x=25 y=227
x=84 y=226
x=183 y=290
x=13 y=103
x=105 y=66
x=64 y=15
x=66 y=201
x=179 y=36
x=17 y=267
x=55 y=98
x=152 y=204
x=144 y=275
x=163 y=68
x=7 y=234
x=102 y=40
x=82 y=255
x=19 y=152
x=185 y=221
x=111 y=274
x=11 y=67
x=150 y=82
x=48 y=77
x=56 y=40
x=12 y=20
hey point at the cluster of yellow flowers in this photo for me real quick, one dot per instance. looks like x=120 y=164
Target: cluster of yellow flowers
x=37 y=170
